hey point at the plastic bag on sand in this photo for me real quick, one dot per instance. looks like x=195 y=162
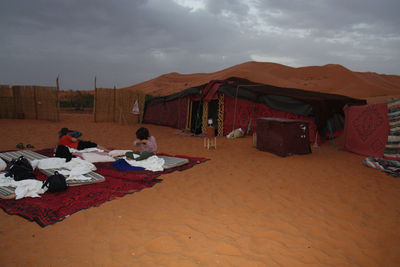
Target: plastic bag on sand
x=236 y=133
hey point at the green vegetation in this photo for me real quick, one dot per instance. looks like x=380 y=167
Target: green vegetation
x=77 y=99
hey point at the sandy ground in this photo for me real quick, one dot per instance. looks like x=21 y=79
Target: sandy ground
x=243 y=207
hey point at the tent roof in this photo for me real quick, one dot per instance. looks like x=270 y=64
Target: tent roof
x=321 y=106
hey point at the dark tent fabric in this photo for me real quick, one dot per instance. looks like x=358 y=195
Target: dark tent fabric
x=168 y=113
x=366 y=129
x=246 y=109
x=325 y=110
x=320 y=106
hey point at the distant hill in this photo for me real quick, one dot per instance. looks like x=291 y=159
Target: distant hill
x=329 y=78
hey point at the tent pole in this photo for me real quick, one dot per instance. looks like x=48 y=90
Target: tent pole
x=234 y=110
x=189 y=114
x=221 y=105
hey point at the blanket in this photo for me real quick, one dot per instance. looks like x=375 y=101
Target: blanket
x=122 y=165
x=366 y=129
x=391 y=167
x=392 y=149
x=54 y=207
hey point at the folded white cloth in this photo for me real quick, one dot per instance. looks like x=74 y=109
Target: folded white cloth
x=152 y=163
x=117 y=153
x=23 y=188
x=3 y=165
x=69 y=177
x=95 y=157
x=48 y=163
x=91 y=149
x=75 y=168
x=29 y=188
x=78 y=167
x=5 y=180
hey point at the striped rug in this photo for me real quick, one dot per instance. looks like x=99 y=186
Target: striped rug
x=392 y=149
x=31 y=155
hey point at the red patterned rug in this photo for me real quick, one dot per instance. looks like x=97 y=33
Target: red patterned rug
x=366 y=129
x=54 y=207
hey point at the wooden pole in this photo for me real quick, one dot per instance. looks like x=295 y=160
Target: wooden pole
x=58 y=98
x=95 y=99
x=35 y=101
x=14 y=93
x=115 y=93
x=189 y=114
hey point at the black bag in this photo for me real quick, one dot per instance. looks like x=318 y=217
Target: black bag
x=55 y=183
x=21 y=161
x=20 y=169
x=63 y=152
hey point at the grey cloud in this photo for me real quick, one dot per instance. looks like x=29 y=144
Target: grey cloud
x=237 y=7
x=126 y=42
x=332 y=14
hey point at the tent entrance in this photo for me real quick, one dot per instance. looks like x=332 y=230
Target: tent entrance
x=213 y=114
x=196 y=117
x=199 y=113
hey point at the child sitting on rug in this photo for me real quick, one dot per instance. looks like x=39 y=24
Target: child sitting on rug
x=72 y=142
x=147 y=144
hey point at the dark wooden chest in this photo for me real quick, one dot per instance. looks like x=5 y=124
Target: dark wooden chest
x=283 y=137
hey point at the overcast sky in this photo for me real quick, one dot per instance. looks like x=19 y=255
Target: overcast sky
x=124 y=42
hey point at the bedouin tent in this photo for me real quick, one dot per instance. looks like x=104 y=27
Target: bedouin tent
x=373 y=130
x=237 y=103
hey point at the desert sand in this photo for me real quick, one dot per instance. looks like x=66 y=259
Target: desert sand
x=242 y=207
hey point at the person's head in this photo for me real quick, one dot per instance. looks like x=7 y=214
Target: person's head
x=142 y=133
x=64 y=131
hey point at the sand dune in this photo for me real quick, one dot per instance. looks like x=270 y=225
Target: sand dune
x=329 y=78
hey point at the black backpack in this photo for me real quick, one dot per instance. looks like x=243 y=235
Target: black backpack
x=55 y=183
x=20 y=169
x=63 y=152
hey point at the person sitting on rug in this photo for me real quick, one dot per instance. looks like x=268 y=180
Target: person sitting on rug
x=72 y=142
x=147 y=144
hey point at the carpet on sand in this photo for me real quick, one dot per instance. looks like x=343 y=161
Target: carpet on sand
x=54 y=207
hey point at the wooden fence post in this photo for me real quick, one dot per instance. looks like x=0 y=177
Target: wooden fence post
x=95 y=97
x=115 y=93
x=35 y=101
x=58 y=98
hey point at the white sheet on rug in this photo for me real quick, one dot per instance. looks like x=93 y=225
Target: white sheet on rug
x=91 y=149
x=118 y=152
x=95 y=157
x=152 y=163
x=76 y=177
x=5 y=180
x=78 y=166
x=75 y=168
x=29 y=188
x=3 y=165
x=24 y=188
x=48 y=163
